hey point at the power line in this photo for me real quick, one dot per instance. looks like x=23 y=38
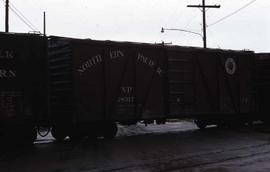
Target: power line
x=22 y=17
x=25 y=22
x=233 y=13
x=21 y=14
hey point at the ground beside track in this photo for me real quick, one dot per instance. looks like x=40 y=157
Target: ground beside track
x=177 y=146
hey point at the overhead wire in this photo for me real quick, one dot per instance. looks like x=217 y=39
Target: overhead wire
x=214 y=40
x=25 y=22
x=22 y=17
x=25 y=18
x=193 y=17
x=188 y=22
x=233 y=13
x=171 y=16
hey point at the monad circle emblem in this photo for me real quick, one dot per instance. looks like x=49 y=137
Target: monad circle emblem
x=230 y=66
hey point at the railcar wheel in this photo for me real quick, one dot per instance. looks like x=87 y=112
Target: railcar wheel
x=58 y=134
x=200 y=124
x=110 y=130
x=43 y=131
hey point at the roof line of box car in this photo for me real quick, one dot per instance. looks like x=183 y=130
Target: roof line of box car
x=81 y=87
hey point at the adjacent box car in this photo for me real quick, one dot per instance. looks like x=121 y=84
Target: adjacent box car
x=22 y=84
x=210 y=85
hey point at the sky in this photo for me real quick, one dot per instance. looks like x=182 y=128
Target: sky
x=142 y=20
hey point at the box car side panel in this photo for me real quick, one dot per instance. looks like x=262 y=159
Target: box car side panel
x=117 y=81
x=262 y=84
x=246 y=87
x=22 y=68
x=11 y=77
x=181 y=82
x=223 y=87
x=234 y=82
x=37 y=74
x=150 y=82
x=120 y=82
x=206 y=79
x=229 y=85
x=88 y=80
x=60 y=81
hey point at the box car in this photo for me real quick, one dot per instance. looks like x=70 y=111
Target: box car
x=262 y=84
x=22 y=81
x=210 y=85
x=97 y=83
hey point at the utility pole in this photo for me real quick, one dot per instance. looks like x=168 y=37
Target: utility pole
x=7 y=17
x=203 y=6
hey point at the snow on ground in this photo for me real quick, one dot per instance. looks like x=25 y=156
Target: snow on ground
x=141 y=129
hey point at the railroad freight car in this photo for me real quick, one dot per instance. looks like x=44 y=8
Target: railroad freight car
x=262 y=84
x=212 y=86
x=94 y=84
x=22 y=85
